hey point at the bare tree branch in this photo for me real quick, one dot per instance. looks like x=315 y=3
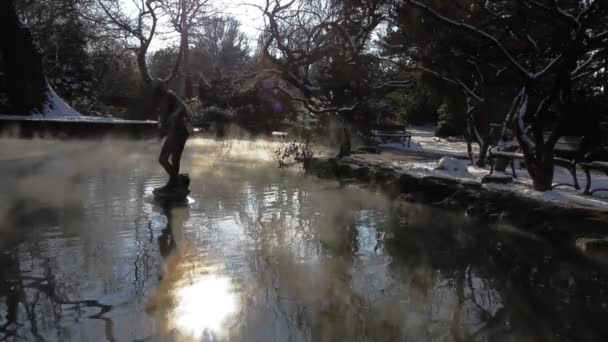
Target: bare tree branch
x=525 y=73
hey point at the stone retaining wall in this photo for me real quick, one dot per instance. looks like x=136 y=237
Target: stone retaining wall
x=469 y=196
x=77 y=129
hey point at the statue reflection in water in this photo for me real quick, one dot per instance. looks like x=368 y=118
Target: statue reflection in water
x=171 y=221
x=192 y=300
x=176 y=214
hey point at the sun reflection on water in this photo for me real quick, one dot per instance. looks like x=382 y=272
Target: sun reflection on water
x=204 y=306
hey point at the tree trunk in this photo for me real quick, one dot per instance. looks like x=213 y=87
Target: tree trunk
x=483 y=153
x=478 y=133
x=345 y=146
x=537 y=154
x=541 y=171
x=28 y=89
x=187 y=69
x=186 y=53
x=469 y=137
x=482 y=133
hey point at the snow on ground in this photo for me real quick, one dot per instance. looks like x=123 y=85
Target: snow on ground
x=80 y=118
x=424 y=140
x=522 y=184
x=56 y=107
x=454 y=166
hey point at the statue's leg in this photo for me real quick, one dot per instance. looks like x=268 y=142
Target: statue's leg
x=163 y=159
x=176 y=155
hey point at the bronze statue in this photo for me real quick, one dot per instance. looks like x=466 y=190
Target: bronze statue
x=174 y=125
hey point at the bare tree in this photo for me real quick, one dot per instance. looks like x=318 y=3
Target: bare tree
x=302 y=36
x=142 y=28
x=184 y=16
x=546 y=75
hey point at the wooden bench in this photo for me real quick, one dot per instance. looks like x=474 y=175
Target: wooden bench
x=566 y=151
x=595 y=161
x=496 y=132
x=398 y=132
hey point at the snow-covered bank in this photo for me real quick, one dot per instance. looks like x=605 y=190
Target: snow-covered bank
x=56 y=110
x=67 y=127
x=55 y=106
x=79 y=118
x=448 y=186
x=522 y=185
x=424 y=140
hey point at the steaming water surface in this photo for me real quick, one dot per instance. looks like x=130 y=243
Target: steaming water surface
x=262 y=255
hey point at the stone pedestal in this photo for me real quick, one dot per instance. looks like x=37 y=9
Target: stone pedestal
x=179 y=193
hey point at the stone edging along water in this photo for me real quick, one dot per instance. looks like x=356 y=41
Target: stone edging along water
x=470 y=196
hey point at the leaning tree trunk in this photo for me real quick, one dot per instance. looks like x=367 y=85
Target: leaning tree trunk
x=541 y=170
x=185 y=35
x=28 y=89
x=188 y=92
x=345 y=144
x=538 y=153
x=482 y=131
x=469 y=137
x=478 y=133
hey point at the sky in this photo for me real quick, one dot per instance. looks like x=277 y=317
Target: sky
x=250 y=17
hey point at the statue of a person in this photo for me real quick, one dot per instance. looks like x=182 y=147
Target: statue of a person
x=174 y=125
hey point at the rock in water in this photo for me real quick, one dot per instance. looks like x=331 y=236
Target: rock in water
x=180 y=193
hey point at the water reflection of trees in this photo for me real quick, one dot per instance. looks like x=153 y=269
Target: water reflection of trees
x=313 y=261
x=447 y=278
x=54 y=251
x=506 y=286
x=302 y=261
x=34 y=301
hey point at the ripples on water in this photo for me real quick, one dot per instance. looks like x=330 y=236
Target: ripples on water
x=261 y=254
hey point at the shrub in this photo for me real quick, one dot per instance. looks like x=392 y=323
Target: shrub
x=447 y=122
x=414 y=108
x=296 y=152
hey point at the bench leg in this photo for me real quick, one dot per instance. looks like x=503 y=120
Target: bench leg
x=588 y=185
x=573 y=171
x=409 y=141
x=513 y=168
x=492 y=164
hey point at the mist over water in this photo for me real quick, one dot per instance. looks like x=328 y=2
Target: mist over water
x=262 y=254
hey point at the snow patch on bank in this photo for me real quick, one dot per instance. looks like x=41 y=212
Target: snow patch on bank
x=424 y=140
x=80 y=118
x=521 y=185
x=446 y=167
x=56 y=107
x=453 y=166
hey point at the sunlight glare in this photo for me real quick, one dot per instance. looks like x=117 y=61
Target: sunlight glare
x=204 y=306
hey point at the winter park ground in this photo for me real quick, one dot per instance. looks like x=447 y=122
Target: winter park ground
x=421 y=159
x=419 y=173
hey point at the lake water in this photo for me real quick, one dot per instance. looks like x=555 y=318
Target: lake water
x=261 y=254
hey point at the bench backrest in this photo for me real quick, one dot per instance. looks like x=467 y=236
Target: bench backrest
x=388 y=129
x=568 y=144
x=496 y=133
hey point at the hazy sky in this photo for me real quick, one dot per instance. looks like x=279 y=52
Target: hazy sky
x=250 y=17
